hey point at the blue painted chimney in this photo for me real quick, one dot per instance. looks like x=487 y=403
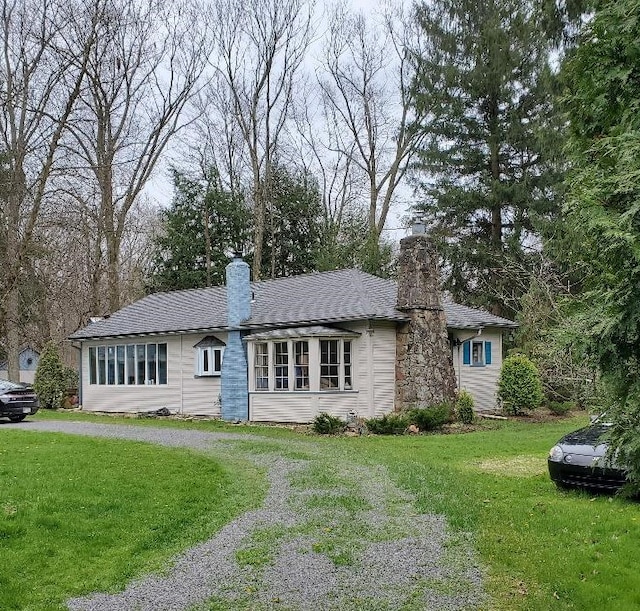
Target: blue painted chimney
x=234 y=376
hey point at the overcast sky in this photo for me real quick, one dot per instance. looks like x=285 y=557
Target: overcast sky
x=160 y=189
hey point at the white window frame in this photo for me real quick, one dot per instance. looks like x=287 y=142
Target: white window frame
x=282 y=365
x=347 y=374
x=477 y=362
x=259 y=366
x=209 y=361
x=302 y=374
x=120 y=364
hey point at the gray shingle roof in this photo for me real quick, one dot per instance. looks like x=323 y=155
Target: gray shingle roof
x=318 y=298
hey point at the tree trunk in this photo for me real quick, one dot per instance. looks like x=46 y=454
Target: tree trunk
x=258 y=234
x=207 y=239
x=11 y=305
x=13 y=339
x=113 y=272
x=496 y=209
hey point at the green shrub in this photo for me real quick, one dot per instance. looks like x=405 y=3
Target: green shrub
x=389 y=424
x=433 y=417
x=326 y=424
x=52 y=378
x=560 y=408
x=464 y=407
x=519 y=385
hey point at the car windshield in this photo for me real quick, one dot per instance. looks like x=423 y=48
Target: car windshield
x=7 y=385
x=602 y=420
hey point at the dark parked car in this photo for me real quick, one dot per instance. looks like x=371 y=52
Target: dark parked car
x=578 y=461
x=17 y=401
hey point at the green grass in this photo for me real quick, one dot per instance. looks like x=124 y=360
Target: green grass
x=541 y=548
x=79 y=515
x=261 y=547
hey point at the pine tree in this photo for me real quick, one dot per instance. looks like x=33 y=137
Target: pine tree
x=603 y=213
x=200 y=229
x=294 y=224
x=206 y=223
x=490 y=165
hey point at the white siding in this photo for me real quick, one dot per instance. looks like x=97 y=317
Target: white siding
x=184 y=393
x=374 y=383
x=374 y=354
x=200 y=395
x=480 y=382
x=131 y=398
x=384 y=369
x=300 y=406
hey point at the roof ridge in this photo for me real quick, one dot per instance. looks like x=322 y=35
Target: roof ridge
x=305 y=275
x=176 y=291
x=262 y=282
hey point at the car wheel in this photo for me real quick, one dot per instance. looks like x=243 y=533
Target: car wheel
x=19 y=418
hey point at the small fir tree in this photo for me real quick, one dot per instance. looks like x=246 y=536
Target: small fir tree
x=51 y=379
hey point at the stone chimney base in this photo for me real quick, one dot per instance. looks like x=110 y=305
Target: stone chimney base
x=424 y=366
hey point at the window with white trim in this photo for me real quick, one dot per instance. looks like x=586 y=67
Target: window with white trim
x=348 y=365
x=210 y=360
x=209 y=354
x=477 y=357
x=281 y=356
x=128 y=364
x=301 y=351
x=329 y=364
x=284 y=365
x=261 y=365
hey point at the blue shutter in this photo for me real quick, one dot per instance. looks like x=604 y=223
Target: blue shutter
x=466 y=353
x=487 y=353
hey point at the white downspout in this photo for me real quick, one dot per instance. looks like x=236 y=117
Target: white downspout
x=181 y=376
x=370 y=365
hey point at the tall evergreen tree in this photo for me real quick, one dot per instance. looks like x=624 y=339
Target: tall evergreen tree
x=202 y=226
x=490 y=163
x=293 y=228
x=603 y=211
x=205 y=223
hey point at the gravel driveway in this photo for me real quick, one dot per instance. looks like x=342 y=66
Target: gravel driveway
x=349 y=540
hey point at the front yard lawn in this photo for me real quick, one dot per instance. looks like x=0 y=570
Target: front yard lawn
x=71 y=525
x=542 y=548
x=79 y=515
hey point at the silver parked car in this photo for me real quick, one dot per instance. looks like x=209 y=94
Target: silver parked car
x=17 y=400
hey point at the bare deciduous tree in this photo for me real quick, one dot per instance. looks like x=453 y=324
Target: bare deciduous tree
x=143 y=70
x=260 y=47
x=319 y=152
x=366 y=81
x=41 y=74
x=214 y=149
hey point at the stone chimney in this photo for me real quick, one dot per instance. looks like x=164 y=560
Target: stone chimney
x=424 y=365
x=234 y=390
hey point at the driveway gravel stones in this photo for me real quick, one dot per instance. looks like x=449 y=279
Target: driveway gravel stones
x=331 y=535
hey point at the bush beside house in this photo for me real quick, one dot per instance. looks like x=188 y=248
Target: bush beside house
x=53 y=379
x=464 y=407
x=519 y=385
